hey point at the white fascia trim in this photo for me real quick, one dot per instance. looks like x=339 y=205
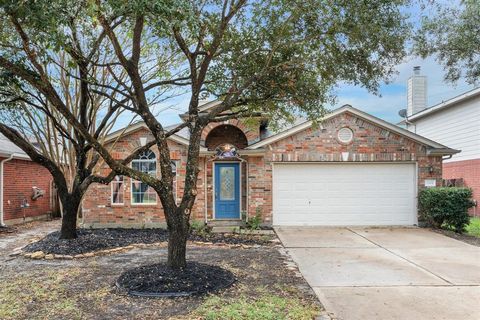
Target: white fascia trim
x=358 y=113
x=140 y=125
x=19 y=156
x=445 y=104
x=207 y=106
x=281 y=135
x=125 y=131
x=243 y=152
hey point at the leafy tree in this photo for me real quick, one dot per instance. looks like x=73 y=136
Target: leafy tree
x=452 y=34
x=35 y=78
x=270 y=57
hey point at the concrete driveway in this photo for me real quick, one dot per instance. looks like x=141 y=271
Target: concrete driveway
x=388 y=273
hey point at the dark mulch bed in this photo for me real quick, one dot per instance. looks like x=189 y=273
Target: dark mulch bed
x=7 y=230
x=90 y=240
x=460 y=236
x=158 y=280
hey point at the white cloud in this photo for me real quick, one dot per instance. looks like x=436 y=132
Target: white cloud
x=393 y=95
x=392 y=99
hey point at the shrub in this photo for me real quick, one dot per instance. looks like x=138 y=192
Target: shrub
x=446 y=207
x=255 y=222
x=200 y=228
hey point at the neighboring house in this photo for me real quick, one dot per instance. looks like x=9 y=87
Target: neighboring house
x=25 y=187
x=352 y=169
x=454 y=122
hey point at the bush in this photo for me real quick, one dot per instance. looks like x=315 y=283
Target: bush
x=200 y=228
x=255 y=222
x=446 y=207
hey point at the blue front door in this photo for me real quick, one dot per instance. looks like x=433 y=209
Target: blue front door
x=227 y=191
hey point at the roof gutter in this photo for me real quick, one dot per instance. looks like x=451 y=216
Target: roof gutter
x=445 y=104
x=442 y=152
x=2 y=223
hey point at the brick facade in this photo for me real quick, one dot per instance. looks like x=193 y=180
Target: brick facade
x=226 y=133
x=469 y=171
x=371 y=143
x=19 y=178
x=99 y=211
x=252 y=133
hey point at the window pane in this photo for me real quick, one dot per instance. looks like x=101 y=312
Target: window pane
x=141 y=192
x=117 y=189
x=135 y=165
x=227 y=183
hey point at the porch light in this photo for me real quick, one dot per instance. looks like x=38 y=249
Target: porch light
x=226 y=151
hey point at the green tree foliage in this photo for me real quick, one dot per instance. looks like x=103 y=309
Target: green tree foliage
x=268 y=58
x=452 y=35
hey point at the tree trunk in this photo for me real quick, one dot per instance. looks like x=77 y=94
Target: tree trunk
x=178 y=231
x=71 y=204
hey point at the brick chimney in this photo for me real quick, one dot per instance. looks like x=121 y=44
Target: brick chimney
x=416 y=92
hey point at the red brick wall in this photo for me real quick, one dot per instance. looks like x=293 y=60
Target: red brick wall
x=20 y=177
x=251 y=133
x=226 y=134
x=97 y=207
x=371 y=143
x=469 y=171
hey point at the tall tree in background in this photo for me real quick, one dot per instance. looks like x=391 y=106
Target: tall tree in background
x=452 y=35
x=35 y=78
x=274 y=58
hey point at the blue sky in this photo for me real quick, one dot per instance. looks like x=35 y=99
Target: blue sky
x=393 y=96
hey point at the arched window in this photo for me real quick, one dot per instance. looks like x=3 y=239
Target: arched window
x=141 y=192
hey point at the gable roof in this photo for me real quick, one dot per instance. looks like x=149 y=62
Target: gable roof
x=9 y=149
x=445 y=104
x=435 y=148
x=181 y=137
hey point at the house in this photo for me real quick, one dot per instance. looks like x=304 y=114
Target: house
x=26 y=188
x=454 y=122
x=352 y=169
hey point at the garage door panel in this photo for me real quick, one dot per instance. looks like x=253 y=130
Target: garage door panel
x=344 y=194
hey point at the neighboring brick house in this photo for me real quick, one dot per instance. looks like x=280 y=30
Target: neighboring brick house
x=351 y=169
x=20 y=178
x=456 y=123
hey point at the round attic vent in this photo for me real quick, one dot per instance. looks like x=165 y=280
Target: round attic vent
x=345 y=135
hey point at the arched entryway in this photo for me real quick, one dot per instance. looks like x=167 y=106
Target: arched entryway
x=226 y=134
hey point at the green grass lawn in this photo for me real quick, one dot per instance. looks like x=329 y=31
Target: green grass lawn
x=473 y=227
x=265 y=307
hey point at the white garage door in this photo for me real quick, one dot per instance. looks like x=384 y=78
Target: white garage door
x=344 y=194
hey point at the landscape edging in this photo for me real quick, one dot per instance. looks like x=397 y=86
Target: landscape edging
x=40 y=255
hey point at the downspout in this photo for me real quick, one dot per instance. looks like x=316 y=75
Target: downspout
x=2 y=223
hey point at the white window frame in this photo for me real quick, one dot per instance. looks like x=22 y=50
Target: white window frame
x=175 y=179
x=121 y=189
x=132 y=181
